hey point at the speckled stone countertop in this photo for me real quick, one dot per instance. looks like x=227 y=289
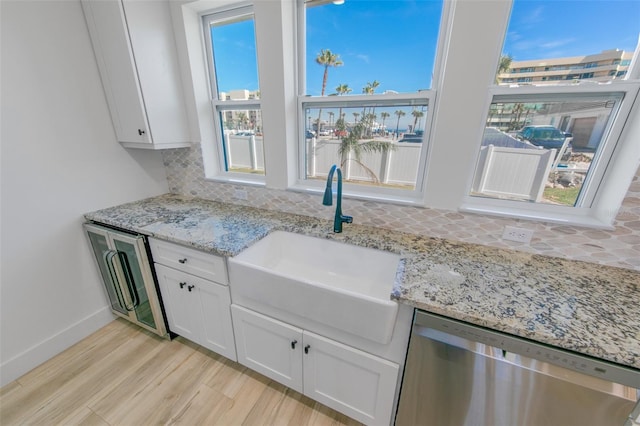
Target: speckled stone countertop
x=583 y=307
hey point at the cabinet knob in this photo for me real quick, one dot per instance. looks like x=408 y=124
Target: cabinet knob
x=182 y=285
x=182 y=260
x=293 y=344
x=191 y=287
x=141 y=132
x=306 y=349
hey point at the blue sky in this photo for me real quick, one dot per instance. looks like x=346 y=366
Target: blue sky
x=377 y=38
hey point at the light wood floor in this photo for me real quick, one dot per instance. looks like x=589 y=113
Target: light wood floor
x=123 y=375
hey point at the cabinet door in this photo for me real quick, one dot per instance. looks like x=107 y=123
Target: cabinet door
x=353 y=382
x=156 y=58
x=217 y=330
x=180 y=304
x=110 y=39
x=268 y=346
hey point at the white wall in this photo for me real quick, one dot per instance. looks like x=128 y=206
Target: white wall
x=59 y=160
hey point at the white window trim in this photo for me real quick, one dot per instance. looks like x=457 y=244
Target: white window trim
x=226 y=14
x=455 y=51
x=356 y=191
x=361 y=191
x=589 y=211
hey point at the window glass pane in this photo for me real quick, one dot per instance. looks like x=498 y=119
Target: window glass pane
x=363 y=46
x=564 y=41
x=234 y=58
x=539 y=149
x=374 y=145
x=243 y=141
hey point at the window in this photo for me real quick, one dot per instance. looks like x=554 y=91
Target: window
x=233 y=71
x=550 y=143
x=366 y=94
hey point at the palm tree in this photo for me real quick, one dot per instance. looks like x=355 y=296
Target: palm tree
x=503 y=66
x=352 y=144
x=242 y=119
x=326 y=59
x=342 y=89
x=416 y=115
x=355 y=116
x=384 y=116
x=369 y=89
x=399 y=113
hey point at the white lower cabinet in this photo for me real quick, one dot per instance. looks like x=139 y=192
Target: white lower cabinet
x=197 y=309
x=351 y=381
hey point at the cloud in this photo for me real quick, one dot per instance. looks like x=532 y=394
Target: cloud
x=533 y=17
x=557 y=43
x=364 y=58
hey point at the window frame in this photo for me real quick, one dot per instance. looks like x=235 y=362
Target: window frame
x=228 y=14
x=352 y=190
x=592 y=212
x=363 y=191
x=456 y=48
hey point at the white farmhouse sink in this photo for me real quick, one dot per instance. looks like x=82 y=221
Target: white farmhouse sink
x=330 y=283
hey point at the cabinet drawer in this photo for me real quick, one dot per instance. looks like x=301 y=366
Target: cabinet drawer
x=204 y=265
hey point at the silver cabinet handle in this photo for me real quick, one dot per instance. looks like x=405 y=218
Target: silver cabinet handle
x=108 y=260
x=128 y=277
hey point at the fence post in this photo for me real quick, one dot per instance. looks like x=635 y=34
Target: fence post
x=227 y=148
x=311 y=157
x=252 y=152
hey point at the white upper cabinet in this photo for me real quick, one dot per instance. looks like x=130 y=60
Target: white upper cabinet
x=136 y=54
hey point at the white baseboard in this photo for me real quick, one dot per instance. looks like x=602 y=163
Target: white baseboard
x=47 y=349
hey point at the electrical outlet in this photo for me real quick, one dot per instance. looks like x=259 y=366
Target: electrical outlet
x=520 y=235
x=240 y=194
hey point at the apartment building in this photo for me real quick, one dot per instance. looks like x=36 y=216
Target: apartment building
x=604 y=66
x=242 y=118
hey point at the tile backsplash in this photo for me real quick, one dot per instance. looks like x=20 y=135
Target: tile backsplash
x=620 y=247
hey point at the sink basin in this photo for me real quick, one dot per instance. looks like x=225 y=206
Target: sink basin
x=326 y=282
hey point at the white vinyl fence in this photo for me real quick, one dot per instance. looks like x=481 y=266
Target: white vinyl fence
x=502 y=172
x=398 y=166
x=512 y=173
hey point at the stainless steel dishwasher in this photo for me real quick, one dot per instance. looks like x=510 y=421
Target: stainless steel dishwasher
x=460 y=374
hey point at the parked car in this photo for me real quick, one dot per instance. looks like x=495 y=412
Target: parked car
x=310 y=134
x=324 y=133
x=547 y=137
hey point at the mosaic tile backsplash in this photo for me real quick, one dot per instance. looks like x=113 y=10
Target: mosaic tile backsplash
x=620 y=247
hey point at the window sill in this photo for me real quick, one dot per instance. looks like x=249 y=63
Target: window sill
x=568 y=216
x=239 y=180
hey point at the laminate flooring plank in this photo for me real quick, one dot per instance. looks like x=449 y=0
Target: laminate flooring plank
x=39 y=385
x=83 y=417
x=229 y=379
x=83 y=387
x=265 y=409
x=247 y=395
x=137 y=376
x=163 y=398
x=204 y=408
x=295 y=409
x=125 y=376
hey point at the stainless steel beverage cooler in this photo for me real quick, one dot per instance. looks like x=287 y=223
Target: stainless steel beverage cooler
x=126 y=272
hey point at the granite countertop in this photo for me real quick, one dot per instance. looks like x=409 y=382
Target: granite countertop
x=579 y=306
